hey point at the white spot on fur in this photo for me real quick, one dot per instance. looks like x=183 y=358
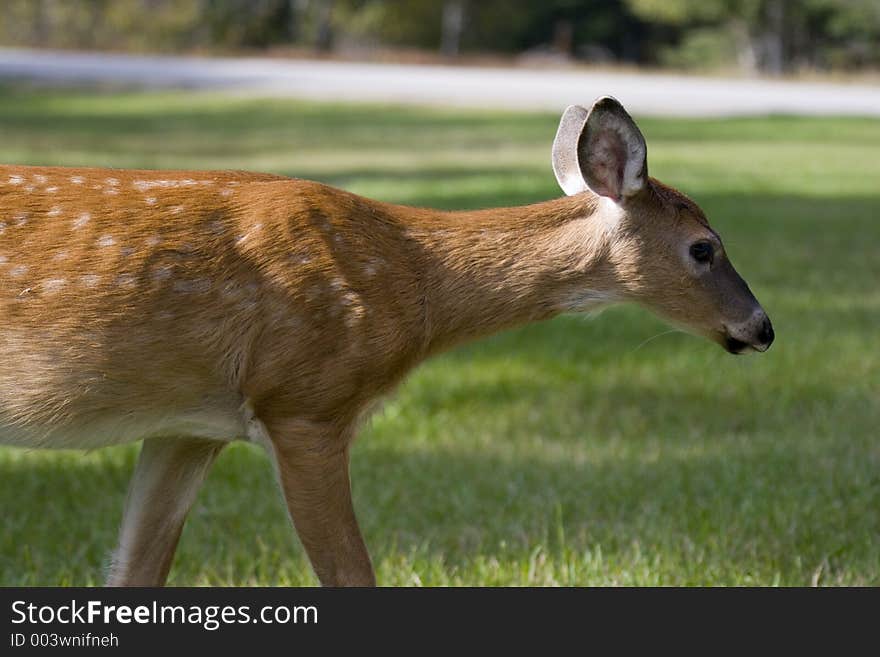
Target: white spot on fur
x=586 y=300
x=197 y=285
x=21 y=218
x=55 y=212
x=106 y=240
x=177 y=209
x=40 y=179
x=111 y=191
x=18 y=271
x=300 y=259
x=29 y=188
x=77 y=180
x=90 y=280
x=54 y=285
x=51 y=190
x=2 y=227
x=81 y=220
x=112 y=181
x=126 y=280
x=226 y=192
x=153 y=240
x=247 y=304
x=231 y=291
x=354 y=316
x=3 y=259
x=144 y=185
x=61 y=255
x=15 y=180
x=150 y=200
x=162 y=273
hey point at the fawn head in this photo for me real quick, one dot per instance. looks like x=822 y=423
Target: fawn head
x=661 y=250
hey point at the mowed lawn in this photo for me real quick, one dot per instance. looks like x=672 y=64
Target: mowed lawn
x=587 y=451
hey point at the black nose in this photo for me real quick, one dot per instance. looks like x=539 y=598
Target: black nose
x=766 y=334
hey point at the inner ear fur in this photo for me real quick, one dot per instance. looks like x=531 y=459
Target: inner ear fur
x=611 y=151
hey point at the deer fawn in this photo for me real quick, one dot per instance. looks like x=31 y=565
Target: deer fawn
x=190 y=309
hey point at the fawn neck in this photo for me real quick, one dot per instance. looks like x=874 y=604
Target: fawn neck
x=488 y=270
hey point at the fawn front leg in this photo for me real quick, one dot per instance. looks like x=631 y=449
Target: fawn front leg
x=167 y=478
x=313 y=468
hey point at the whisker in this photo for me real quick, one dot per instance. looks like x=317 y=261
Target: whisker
x=654 y=337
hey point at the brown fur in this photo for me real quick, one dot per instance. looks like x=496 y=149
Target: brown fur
x=143 y=304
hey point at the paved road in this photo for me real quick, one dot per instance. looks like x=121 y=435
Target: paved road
x=643 y=94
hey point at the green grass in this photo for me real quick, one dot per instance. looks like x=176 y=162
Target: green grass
x=568 y=452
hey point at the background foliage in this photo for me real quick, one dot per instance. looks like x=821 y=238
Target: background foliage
x=770 y=36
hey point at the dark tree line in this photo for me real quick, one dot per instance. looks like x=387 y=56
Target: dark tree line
x=773 y=36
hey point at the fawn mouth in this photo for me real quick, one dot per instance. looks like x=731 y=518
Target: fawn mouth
x=731 y=344
x=734 y=346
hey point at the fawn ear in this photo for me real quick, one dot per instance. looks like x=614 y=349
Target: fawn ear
x=601 y=149
x=565 y=150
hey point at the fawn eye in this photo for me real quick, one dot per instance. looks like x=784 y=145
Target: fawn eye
x=702 y=252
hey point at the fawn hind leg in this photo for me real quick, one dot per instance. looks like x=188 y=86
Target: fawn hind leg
x=167 y=478
x=312 y=462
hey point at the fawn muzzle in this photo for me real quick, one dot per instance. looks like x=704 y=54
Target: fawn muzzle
x=756 y=334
